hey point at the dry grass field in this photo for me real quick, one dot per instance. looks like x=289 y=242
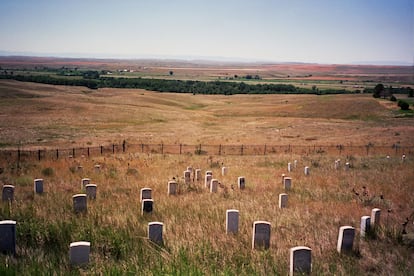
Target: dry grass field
x=49 y=116
x=195 y=243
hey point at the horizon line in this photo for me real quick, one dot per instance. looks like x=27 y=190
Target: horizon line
x=210 y=59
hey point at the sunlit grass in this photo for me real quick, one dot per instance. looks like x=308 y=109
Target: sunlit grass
x=194 y=220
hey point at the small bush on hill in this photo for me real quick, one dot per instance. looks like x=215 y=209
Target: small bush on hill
x=403 y=105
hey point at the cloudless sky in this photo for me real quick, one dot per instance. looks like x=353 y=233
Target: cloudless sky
x=323 y=31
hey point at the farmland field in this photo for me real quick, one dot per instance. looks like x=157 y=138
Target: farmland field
x=38 y=116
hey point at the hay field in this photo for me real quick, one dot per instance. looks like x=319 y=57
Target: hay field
x=49 y=116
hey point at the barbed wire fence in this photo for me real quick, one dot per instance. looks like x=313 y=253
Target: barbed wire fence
x=21 y=155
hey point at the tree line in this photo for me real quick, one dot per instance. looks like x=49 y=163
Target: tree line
x=95 y=81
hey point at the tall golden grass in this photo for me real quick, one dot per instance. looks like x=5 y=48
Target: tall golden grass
x=195 y=241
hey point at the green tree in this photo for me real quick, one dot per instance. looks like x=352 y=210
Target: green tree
x=378 y=90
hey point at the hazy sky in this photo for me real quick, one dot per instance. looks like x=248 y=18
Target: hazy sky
x=323 y=31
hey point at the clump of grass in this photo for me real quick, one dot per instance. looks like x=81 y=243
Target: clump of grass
x=23 y=181
x=48 y=171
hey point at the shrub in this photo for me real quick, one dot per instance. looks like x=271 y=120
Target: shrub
x=403 y=105
x=48 y=171
x=393 y=98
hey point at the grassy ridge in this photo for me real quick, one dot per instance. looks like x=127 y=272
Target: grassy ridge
x=194 y=220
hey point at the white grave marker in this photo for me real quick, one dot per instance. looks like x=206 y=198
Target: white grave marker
x=300 y=260
x=214 y=185
x=283 y=200
x=38 y=186
x=8 y=193
x=8 y=236
x=224 y=171
x=345 y=239
x=155 y=232
x=261 y=234
x=207 y=180
x=90 y=190
x=289 y=167
x=307 y=170
x=365 y=225
x=147 y=205
x=79 y=253
x=97 y=168
x=80 y=203
x=241 y=182
x=172 y=187
x=287 y=183
x=145 y=193
x=232 y=221
x=187 y=177
x=198 y=174
x=375 y=217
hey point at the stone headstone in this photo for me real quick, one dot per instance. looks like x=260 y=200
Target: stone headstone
x=38 y=186
x=261 y=235
x=300 y=260
x=337 y=164
x=307 y=170
x=207 y=180
x=187 y=177
x=79 y=253
x=155 y=232
x=232 y=221
x=90 y=190
x=84 y=182
x=241 y=182
x=80 y=203
x=365 y=225
x=198 y=174
x=295 y=163
x=287 y=183
x=147 y=205
x=224 y=171
x=213 y=185
x=289 y=167
x=8 y=193
x=145 y=193
x=283 y=200
x=172 y=187
x=375 y=217
x=8 y=236
x=345 y=239
x=97 y=168
x=403 y=157
x=347 y=166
